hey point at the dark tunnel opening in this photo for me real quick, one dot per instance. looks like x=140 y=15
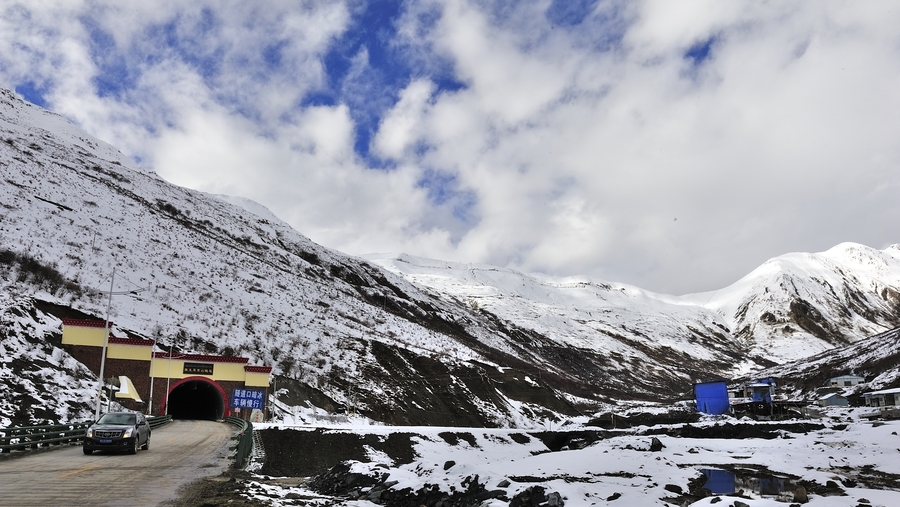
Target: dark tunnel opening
x=196 y=399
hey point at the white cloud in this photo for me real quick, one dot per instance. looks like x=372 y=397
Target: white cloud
x=595 y=149
x=688 y=177
x=508 y=80
x=400 y=127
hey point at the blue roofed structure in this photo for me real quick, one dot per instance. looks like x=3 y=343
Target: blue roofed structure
x=712 y=397
x=761 y=390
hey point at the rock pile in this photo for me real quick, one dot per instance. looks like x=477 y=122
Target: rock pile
x=536 y=496
x=340 y=481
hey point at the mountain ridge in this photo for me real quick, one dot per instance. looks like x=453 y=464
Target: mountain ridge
x=486 y=346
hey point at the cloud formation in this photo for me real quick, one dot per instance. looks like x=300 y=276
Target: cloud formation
x=674 y=146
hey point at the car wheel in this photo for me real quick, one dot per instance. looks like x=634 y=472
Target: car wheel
x=86 y=450
x=146 y=445
x=134 y=447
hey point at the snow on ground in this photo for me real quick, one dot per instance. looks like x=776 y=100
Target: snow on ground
x=623 y=471
x=40 y=383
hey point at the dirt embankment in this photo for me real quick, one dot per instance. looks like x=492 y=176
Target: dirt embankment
x=291 y=453
x=317 y=459
x=306 y=453
x=220 y=491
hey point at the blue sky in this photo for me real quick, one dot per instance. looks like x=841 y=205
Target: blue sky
x=671 y=145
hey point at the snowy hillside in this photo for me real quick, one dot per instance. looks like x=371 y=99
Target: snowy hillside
x=791 y=307
x=799 y=304
x=204 y=275
x=418 y=342
x=636 y=336
x=877 y=359
x=34 y=372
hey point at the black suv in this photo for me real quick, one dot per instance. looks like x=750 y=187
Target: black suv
x=118 y=431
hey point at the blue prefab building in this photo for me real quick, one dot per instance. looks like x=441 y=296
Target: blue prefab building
x=712 y=397
x=761 y=391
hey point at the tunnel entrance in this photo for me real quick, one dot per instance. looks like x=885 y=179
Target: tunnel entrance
x=197 y=398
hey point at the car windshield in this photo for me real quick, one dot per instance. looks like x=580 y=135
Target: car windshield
x=117 y=419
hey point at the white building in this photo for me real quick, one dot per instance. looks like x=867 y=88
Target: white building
x=845 y=381
x=883 y=398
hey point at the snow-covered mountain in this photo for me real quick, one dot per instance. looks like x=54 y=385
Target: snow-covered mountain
x=803 y=303
x=791 y=307
x=200 y=273
x=397 y=338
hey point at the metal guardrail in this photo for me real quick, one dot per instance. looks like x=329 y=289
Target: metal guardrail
x=32 y=437
x=243 y=440
x=159 y=420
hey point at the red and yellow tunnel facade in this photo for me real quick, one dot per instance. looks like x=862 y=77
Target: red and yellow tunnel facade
x=187 y=386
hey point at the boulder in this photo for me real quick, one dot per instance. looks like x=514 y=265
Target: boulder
x=800 y=495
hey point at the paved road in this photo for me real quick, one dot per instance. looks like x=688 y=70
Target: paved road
x=179 y=453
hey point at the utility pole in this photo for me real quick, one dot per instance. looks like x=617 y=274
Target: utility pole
x=271 y=403
x=152 y=375
x=169 y=379
x=105 y=341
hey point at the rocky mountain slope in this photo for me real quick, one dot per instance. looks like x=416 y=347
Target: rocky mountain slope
x=201 y=274
x=790 y=307
x=876 y=359
x=399 y=339
x=802 y=303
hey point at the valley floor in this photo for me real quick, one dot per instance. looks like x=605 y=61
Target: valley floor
x=839 y=460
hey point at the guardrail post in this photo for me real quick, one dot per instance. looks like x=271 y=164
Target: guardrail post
x=244 y=440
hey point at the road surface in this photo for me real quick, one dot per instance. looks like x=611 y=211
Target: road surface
x=180 y=452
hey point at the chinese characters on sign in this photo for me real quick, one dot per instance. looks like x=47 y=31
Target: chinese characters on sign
x=198 y=368
x=248 y=398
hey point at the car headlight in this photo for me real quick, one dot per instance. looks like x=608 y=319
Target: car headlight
x=128 y=432
x=90 y=433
